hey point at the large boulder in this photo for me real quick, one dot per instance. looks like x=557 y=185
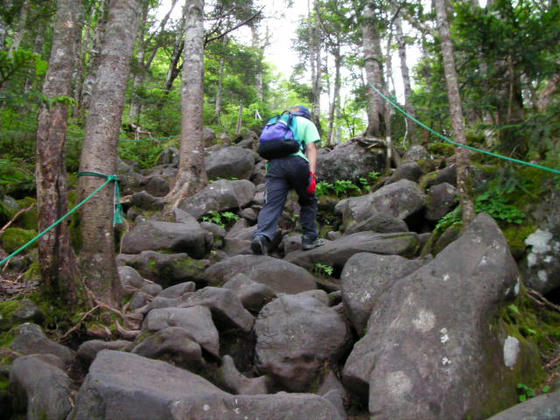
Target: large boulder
x=297 y=336
x=42 y=390
x=435 y=347
x=230 y=162
x=166 y=269
x=441 y=199
x=367 y=276
x=400 y=199
x=352 y=160
x=336 y=253
x=124 y=385
x=281 y=276
x=153 y=235
x=29 y=338
x=542 y=407
x=541 y=267
x=196 y=321
x=219 y=196
x=14 y=312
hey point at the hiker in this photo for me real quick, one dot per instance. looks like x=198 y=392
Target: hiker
x=295 y=171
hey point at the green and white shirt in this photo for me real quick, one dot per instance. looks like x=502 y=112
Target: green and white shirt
x=306 y=132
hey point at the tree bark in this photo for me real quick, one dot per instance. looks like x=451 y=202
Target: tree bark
x=59 y=271
x=173 y=70
x=462 y=154
x=336 y=97
x=191 y=176
x=409 y=108
x=373 y=69
x=21 y=28
x=99 y=153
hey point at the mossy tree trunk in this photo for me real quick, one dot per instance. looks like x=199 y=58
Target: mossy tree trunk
x=59 y=272
x=191 y=176
x=99 y=153
x=462 y=154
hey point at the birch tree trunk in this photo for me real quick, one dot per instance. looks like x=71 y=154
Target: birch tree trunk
x=373 y=69
x=99 y=153
x=462 y=154
x=20 y=30
x=59 y=271
x=336 y=97
x=191 y=176
x=409 y=108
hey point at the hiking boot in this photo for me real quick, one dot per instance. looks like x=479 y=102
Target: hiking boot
x=307 y=245
x=259 y=245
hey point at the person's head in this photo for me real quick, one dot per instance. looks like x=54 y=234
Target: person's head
x=301 y=111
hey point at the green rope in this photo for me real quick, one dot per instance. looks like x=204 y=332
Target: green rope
x=118 y=218
x=157 y=139
x=109 y=179
x=460 y=144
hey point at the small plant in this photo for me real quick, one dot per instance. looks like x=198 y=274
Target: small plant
x=365 y=184
x=323 y=188
x=323 y=269
x=497 y=207
x=373 y=176
x=344 y=187
x=525 y=392
x=222 y=219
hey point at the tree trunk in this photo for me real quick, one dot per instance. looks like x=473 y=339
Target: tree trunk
x=462 y=155
x=173 y=71
x=373 y=68
x=99 y=153
x=256 y=43
x=20 y=30
x=191 y=176
x=409 y=108
x=139 y=73
x=333 y=111
x=93 y=48
x=59 y=271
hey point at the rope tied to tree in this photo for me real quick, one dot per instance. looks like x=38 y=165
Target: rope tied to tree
x=118 y=218
x=474 y=149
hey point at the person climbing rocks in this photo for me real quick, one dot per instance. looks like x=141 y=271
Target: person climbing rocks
x=295 y=171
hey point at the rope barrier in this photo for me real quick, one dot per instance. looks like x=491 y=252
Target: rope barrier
x=150 y=139
x=555 y=171
x=117 y=219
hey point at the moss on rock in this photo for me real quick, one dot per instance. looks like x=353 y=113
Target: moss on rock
x=14 y=238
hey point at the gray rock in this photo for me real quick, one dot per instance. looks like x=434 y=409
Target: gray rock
x=219 y=196
x=208 y=135
x=124 y=385
x=415 y=153
x=542 y=407
x=381 y=223
x=178 y=290
x=43 y=389
x=253 y=295
x=131 y=280
x=238 y=239
x=169 y=156
x=336 y=253
x=179 y=237
x=408 y=170
x=351 y=160
x=240 y=384
x=89 y=349
x=166 y=269
x=297 y=336
x=18 y=311
x=139 y=299
x=281 y=276
x=195 y=320
x=230 y=162
x=441 y=199
x=367 y=276
x=174 y=344
x=30 y=339
x=446 y=175
x=146 y=201
x=399 y=200
x=432 y=336
x=225 y=306
x=156 y=185
x=541 y=266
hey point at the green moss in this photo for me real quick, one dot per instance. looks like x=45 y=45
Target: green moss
x=516 y=235
x=29 y=219
x=444 y=149
x=33 y=273
x=14 y=238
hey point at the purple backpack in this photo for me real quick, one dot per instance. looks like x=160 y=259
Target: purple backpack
x=279 y=137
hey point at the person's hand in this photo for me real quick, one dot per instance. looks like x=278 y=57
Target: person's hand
x=312 y=183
